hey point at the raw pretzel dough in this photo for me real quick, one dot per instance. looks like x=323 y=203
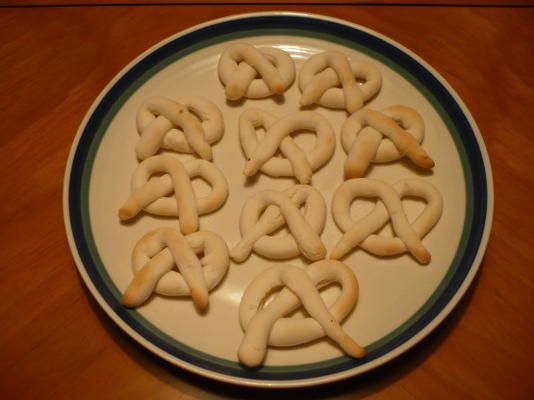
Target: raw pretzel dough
x=188 y=125
x=266 y=326
x=149 y=194
x=240 y=64
x=281 y=208
x=322 y=74
x=158 y=252
x=360 y=233
x=277 y=136
x=362 y=138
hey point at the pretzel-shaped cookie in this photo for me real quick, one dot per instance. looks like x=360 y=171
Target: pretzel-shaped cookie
x=363 y=141
x=323 y=73
x=266 y=326
x=277 y=136
x=359 y=233
x=158 y=252
x=159 y=121
x=149 y=194
x=239 y=67
x=281 y=208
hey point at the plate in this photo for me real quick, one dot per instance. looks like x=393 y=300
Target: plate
x=400 y=300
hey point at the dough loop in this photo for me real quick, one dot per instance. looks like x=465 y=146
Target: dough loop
x=266 y=326
x=188 y=125
x=268 y=210
x=239 y=67
x=323 y=73
x=362 y=138
x=150 y=192
x=389 y=208
x=156 y=255
x=297 y=163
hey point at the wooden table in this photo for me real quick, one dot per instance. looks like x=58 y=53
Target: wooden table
x=56 y=342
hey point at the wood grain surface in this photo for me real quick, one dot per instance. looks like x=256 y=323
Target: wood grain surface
x=463 y=3
x=56 y=342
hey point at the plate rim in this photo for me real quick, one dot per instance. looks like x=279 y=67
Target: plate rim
x=445 y=311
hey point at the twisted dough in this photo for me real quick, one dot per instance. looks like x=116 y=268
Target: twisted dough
x=277 y=136
x=240 y=64
x=363 y=141
x=359 y=233
x=279 y=208
x=149 y=194
x=159 y=121
x=159 y=251
x=266 y=326
x=322 y=74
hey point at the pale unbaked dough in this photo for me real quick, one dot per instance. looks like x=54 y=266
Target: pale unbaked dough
x=369 y=136
x=150 y=192
x=389 y=208
x=266 y=326
x=295 y=162
x=188 y=125
x=239 y=67
x=158 y=253
x=323 y=73
x=268 y=210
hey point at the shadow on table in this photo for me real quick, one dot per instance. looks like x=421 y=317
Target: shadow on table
x=358 y=387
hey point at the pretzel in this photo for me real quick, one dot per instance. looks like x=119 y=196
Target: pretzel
x=297 y=163
x=359 y=233
x=241 y=63
x=322 y=74
x=188 y=125
x=266 y=326
x=362 y=138
x=157 y=253
x=149 y=194
x=281 y=208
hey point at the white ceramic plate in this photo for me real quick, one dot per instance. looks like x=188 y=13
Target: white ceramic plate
x=400 y=301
